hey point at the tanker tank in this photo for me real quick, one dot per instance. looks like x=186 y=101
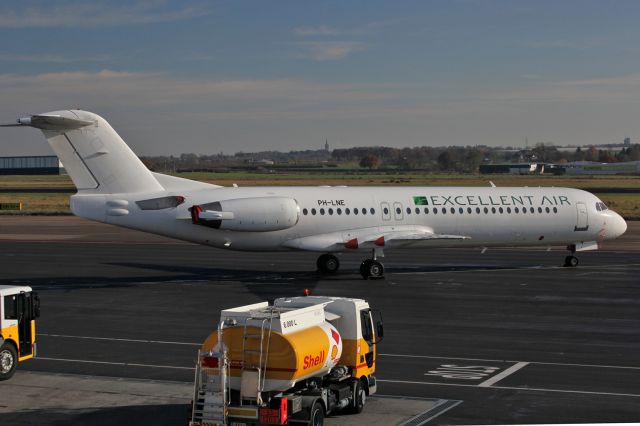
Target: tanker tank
x=286 y=345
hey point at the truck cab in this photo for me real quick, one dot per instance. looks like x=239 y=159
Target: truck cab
x=19 y=308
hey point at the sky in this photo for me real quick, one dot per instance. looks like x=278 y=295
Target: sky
x=227 y=76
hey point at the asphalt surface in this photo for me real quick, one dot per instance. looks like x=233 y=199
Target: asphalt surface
x=511 y=333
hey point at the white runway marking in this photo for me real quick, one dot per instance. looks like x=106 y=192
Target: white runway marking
x=122 y=364
x=560 y=364
x=166 y=342
x=464 y=385
x=113 y=339
x=495 y=379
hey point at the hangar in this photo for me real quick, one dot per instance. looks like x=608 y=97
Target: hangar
x=31 y=165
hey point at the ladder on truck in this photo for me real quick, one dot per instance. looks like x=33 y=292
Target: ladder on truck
x=211 y=387
x=255 y=356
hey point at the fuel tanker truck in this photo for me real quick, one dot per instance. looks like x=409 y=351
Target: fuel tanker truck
x=292 y=362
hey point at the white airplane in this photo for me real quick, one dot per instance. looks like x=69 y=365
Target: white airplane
x=115 y=187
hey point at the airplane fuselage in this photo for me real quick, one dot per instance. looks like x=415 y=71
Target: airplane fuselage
x=489 y=216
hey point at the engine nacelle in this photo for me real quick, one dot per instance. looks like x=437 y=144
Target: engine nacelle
x=260 y=214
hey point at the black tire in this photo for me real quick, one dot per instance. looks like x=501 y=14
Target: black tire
x=328 y=264
x=364 y=268
x=8 y=361
x=359 y=398
x=571 y=261
x=316 y=418
x=376 y=269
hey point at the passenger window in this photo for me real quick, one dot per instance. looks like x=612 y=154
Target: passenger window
x=330 y=211
x=478 y=210
x=372 y=210
x=426 y=210
x=461 y=210
x=322 y=211
x=509 y=210
x=305 y=212
x=539 y=209
x=417 y=210
x=517 y=210
x=364 y=211
x=398 y=210
x=532 y=210
x=385 y=210
x=486 y=210
x=444 y=210
x=500 y=210
x=347 y=211
x=493 y=210
x=453 y=210
x=555 y=210
x=408 y=210
x=435 y=210
x=339 y=211
x=548 y=210
x=469 y=210
x=313 y=212
x=355 y=211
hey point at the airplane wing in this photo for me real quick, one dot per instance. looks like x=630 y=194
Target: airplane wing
x=381 y=236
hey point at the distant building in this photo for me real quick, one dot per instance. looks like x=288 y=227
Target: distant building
x=326 y=145
x=514 y=169
x=590 y=168
x=32 y=165
x=627 y=142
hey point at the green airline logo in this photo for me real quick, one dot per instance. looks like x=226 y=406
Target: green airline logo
x=420 y=201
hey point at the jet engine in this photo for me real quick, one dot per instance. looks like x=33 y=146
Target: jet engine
x=260 y=214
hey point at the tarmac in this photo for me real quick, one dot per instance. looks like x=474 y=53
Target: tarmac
x=508 y=336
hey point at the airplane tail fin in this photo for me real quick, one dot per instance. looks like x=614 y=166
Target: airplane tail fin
x=93 y=154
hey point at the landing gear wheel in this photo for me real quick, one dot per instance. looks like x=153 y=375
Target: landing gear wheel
x=571 y=261
x=370 y=268
x=317 y=415
x=8 y=361
x=328 y=264
x=359 y=398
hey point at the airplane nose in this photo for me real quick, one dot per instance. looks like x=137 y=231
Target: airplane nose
x=618 y=226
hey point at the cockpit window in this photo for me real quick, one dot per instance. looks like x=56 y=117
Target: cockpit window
x=601 y=207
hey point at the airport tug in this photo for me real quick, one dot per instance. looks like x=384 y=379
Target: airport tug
x=19 y=308
x=295 y=361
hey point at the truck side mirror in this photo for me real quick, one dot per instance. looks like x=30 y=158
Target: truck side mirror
x=380 y=330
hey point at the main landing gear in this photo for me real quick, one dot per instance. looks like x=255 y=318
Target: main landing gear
x=328 y=264
x=571 y=261
x=369 y=268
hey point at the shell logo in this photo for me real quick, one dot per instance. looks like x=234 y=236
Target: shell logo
x=334 y=352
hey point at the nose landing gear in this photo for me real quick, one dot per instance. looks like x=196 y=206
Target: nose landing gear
x=571 y=261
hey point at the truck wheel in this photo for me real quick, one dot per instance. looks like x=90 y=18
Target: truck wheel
x=317 y=415
x=359 y=398
x=8 y=361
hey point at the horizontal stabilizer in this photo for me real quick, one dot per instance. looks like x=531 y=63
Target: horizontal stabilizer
x=51 y=122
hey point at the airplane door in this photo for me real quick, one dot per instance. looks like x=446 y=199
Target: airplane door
x=386 y=210
x=582 y=223
x=397 y=211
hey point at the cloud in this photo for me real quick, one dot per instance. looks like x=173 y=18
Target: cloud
x=79 y=14
x=52 y=58
x=331 y=50
x=325 y=31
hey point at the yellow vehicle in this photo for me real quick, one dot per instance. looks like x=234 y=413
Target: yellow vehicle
x=19 y=308
x=295 y=361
